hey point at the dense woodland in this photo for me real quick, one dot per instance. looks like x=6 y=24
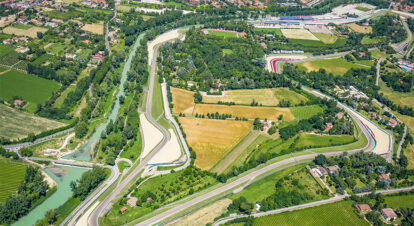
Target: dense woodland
x=88 y=182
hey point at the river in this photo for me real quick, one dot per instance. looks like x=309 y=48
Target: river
x=69 y=174
x=62 y=194
x=84 y=154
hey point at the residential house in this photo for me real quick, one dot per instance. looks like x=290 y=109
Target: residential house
x=392 y=122
x=388 y=214
x=8 y=41
x=98 y=57
x=339 y=115
x=328 y=126
x=384 y=176
x=132 y=202
x=123 y=209
x=18 y=102
x=333 y=169
x=323 y=171
x=374 y=114
x=363 y=207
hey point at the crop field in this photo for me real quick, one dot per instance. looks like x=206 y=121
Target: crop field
x=299 y=34
x=31 y=88
x=12 y=173
x=305 y=112
x=248 y=112
x=213 y=139
x=338 y=213
x=266 y=97
x=94 y=28
x=16 y=124
x=360 y=29
x=326 y=38
x=337 y=66
x=28 y=32
x=204 y=215
x=183 y=101
x=400 y=201
x=312 y=140
x=5 y=49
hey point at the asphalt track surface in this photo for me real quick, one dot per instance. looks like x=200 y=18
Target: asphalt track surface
x=255 y=173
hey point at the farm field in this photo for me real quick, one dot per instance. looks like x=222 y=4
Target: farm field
x=312 y=140
x=94 y=28
x=305 y=112
x=338 y=213
x=16 y=124
x=326 y=38
x=12 y=173
x=400 y=201
x=5 y=49
x=204 y=215
x=32 y=89
x=271 y=113
x=336 y=66
x=360 y=29
x=213 y=139
x=28 y=32
x=299 y=34
x=183 y=101
x=266 y=97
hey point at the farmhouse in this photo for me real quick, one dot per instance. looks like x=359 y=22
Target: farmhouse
x=384 y=176
x=363 y=207
x=339 y=115
x=388 y=214
x=18 y=102
x=323 y=171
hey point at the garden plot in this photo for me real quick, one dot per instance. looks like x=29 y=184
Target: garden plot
x=170 y=152
x=152 y=136
x=30 y=32
x=299 y=34
x=360 y=29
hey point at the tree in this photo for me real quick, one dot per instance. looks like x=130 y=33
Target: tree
x=51 y=216
x=197 y=97
x=26 y=152
x=31 y=137
x=39 y=35
x=81 y=129
x=320 y=159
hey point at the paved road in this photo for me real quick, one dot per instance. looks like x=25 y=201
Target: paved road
x=400 y=48
x=16 y=147
x=105 y=205
x=250 y=176
x=379 y=69
x=306 y=205
x=107 y=30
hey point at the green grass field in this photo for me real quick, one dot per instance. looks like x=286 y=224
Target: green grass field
x=133 y=152
x=157 y=108
x=44 y=58
x=33 y=89
x=337 y=66
x=363 y=9
x=313 y=140
x=3 y=69
x=22 y=26
x=376 y=53
x=368 y=41
x=264 y=187
x=59 y=101
x=4 y=50
x=63 y=15
x=55 y=49
x=274 y=31
x=224 y=34
x=326 y=38
x=305 y=112
x=338 y=213
x=12 y=173
x=404 y=99
x=401 y=201
x=313 y=43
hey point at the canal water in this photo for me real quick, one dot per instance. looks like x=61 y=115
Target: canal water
x=63 y=177
x=84 y=154
x=69 y=174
